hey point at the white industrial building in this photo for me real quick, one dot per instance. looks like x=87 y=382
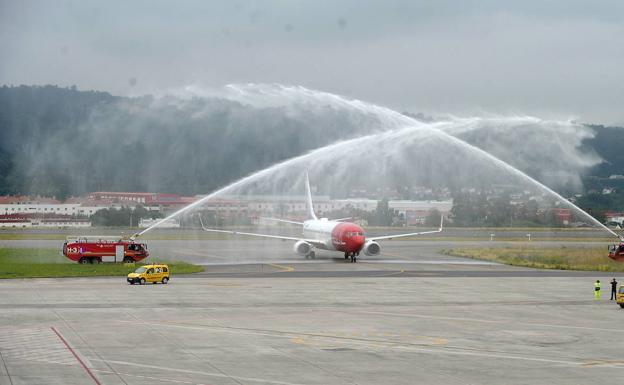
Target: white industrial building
x=49 y=208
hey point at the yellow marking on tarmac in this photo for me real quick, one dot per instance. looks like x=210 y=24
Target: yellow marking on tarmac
x=298 y=340
x=602 y=362
x=393 y=273
x=285 y=269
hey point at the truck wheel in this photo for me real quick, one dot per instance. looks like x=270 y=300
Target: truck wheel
x=83 y=261
x=142 y=281
x=97 y=260
x=128 y=260
x=622 y=305
x=165 y=280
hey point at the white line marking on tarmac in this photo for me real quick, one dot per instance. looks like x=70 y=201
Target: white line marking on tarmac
x=443 y=350
x=489 y=321
x=210 y=374
x=159 y=379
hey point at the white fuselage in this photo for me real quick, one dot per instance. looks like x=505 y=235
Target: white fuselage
x=321 y=230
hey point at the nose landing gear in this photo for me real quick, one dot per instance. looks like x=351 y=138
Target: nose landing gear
x=352 y=255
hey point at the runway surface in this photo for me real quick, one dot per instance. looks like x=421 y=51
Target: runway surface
x=261 y=315
x=367 y=330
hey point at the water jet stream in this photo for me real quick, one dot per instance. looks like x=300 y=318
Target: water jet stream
x=408 y=128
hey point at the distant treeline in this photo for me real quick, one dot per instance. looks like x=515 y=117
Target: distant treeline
x=62 y=142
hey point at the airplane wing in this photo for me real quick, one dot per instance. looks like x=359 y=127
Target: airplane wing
x=342 y=219
x=313 y=242
x=408 y=234
x=281 y=220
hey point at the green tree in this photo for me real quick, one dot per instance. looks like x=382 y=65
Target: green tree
x=433 y=218
x=383 y=215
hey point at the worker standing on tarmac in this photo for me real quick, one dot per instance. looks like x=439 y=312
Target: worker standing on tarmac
x=597 y=289
x=613 y=289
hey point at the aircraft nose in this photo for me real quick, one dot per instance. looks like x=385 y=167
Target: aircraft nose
x=358 y=242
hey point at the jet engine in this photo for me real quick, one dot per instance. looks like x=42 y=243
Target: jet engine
x=302 y=248
x=371 y=248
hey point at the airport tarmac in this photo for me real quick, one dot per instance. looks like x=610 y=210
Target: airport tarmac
x=411 y=316
x=373 y=330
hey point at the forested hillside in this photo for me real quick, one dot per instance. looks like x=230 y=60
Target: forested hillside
x=61 y=141
x=609 y=143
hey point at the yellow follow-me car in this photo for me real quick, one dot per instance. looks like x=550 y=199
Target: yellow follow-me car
x=620 y=296
x=149 y=273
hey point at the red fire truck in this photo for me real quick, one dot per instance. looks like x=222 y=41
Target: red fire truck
x=616 y=252
x=98 y=249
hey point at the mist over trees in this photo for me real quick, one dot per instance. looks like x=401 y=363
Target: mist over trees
x=63 y=142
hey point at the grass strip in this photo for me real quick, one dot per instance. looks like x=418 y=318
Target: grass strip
x=564 y=258
x=49 y=263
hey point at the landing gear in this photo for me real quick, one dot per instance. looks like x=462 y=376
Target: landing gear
x=311 y=255
x=84 y=261
x=353 y=256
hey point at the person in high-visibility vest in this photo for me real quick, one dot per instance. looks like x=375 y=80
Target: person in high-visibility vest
x=597 y=289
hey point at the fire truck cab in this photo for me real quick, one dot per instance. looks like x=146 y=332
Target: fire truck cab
x=98 y=249
x=616 y=252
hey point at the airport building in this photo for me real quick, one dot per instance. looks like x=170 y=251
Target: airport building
x=24 y=211
x=614 y=217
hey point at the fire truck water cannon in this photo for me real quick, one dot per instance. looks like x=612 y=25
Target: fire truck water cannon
x=98 y=249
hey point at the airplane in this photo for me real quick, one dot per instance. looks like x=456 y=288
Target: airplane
x=326 y=234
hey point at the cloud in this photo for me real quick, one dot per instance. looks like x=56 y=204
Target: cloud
x=552 y=59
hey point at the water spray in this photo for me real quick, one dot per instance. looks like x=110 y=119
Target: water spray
x=400 y=127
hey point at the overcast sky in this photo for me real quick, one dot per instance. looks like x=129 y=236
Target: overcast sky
x=553 y=59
